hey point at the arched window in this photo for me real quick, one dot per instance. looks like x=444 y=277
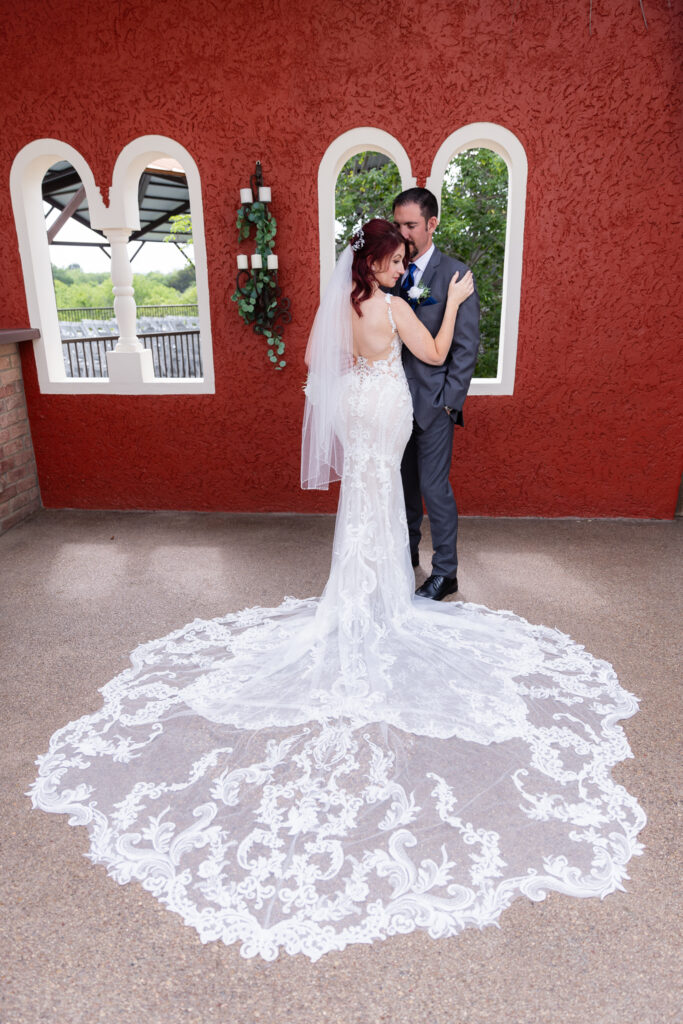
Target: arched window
x=130 y=357
x=479 y=177
x=377 y=149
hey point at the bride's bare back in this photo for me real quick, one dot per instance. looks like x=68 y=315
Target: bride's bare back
x=372 y=332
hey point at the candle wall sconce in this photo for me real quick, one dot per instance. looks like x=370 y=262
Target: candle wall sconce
x=258 y=296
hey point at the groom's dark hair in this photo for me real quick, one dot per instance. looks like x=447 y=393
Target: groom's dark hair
x=425 y=199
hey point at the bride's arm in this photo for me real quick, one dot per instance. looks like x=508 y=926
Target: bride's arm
x=416 y=336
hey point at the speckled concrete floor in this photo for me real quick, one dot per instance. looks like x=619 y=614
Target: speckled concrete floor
x=80 y=590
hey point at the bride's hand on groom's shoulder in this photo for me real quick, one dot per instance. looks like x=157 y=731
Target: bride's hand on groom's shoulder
x=460 y=289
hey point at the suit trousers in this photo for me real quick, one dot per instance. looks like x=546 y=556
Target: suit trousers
x=425 y=471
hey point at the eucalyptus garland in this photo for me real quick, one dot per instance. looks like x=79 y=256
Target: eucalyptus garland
x=258 y=298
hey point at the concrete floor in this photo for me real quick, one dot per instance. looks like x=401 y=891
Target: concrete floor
x=79 y=590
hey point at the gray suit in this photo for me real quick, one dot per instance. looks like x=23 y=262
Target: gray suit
x=427 y=460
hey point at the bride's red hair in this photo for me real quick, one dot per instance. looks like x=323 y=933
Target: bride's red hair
x=380 y=239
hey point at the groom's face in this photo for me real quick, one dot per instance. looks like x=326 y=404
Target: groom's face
x=415 y=229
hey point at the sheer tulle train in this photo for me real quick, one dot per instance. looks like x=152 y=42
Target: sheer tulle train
x=337 y=770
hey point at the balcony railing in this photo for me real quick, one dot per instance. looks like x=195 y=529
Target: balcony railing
x=174 y=353
x=170 y=332
x=76 y=314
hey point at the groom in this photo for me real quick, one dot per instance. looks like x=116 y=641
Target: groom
x=438 y=392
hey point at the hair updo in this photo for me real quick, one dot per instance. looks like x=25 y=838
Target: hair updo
x=379 y=238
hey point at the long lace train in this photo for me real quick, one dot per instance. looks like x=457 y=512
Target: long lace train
x=328 y=833
x=340 y=769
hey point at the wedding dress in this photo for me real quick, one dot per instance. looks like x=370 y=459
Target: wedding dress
x=340 y=769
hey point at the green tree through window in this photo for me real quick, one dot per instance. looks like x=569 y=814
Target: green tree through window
x=474 y=202
x=366 y=187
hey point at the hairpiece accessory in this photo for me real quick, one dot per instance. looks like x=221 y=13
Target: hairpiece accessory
x=359 y=242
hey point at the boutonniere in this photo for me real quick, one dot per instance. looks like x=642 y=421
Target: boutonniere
x=420 y=295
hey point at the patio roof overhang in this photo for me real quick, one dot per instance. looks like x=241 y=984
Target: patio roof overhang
x=162 y=193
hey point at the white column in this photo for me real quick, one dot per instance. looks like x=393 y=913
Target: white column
x=130 y=362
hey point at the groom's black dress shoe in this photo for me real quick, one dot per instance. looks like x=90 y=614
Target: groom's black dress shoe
x=438 y=587
x=415 y=558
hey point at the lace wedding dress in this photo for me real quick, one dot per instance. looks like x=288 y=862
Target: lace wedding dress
x=343 y=768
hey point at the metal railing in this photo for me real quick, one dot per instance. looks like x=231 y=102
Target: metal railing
x=174 y=353
x=75 y=314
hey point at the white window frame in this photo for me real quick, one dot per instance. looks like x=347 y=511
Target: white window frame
x=357 y=140
x=486 y=135
x=28 y=170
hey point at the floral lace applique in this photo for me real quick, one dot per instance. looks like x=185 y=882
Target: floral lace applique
x=341 y=769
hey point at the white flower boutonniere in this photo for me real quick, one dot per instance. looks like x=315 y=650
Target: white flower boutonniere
x=419 y=294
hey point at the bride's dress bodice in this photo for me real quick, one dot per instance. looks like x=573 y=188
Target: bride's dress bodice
x=341 y=769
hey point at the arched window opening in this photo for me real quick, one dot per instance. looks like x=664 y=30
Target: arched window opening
x=477 y=196
x=163 y=258
x=118 y=292
x=81 y=278
x=473 y=224
x=365 y=188
x=161 y=255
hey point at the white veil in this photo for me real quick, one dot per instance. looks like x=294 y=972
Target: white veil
x=329 y=355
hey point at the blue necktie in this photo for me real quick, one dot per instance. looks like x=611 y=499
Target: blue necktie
x=410 y=279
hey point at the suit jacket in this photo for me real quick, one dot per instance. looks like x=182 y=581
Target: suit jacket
x=433 y=387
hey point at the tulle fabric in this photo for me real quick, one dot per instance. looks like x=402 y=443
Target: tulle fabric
x=329 y=355
x=341 y=769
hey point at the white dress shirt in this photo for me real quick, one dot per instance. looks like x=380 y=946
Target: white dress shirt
x=420 y=265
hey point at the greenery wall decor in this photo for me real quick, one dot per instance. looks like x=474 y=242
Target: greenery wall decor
x=257 y=294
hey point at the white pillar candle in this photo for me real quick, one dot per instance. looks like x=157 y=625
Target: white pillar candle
x=272 y=262
x=256 y=261
x=243 y=261
x=246 y=195
x=264 y=194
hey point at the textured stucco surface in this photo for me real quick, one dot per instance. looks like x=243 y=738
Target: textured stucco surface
x=593 y=427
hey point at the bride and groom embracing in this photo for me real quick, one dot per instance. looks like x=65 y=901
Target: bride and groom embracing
x=414 y=269
x=342 y=769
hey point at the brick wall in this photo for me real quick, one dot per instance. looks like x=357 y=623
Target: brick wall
x=19 y=493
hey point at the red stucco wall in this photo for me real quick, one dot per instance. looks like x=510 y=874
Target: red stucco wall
x=593 y=427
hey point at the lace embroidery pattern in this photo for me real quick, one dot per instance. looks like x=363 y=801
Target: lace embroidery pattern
x=310 y=839
x=345 y=768
x=365 y=368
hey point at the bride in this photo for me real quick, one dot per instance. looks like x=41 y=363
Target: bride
x=340 y=769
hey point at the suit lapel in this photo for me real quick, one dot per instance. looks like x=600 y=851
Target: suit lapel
x=430 y=269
